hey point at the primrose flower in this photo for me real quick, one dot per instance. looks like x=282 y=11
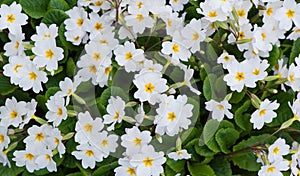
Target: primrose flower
x=277 y=150
x=45 y=33
x=179 y=155
x=178 y=5
x=264 y=114
x=287 y=14
x=116 y=111
x=57 y=110
x=12 y=18
x=274 y=168
x=219 y=109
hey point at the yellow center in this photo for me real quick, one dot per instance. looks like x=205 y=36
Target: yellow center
x=276 y=150
x=29 y=156
x=79 y=22
x=97 y=56
x=170 y=22
x=116 y=117
x=241 y=13
x=16 y=67
x=49 y=54
x=149 y=87
x=171 y=116
x=212 y=14
x=148 y=162
x=103 y=42
x=271 y=169
x=47 y=35
x=239 y=76
x=39 y=136
x=1 y=138
x=13 y=114
x=263 y=36
x=93 y=69
x=176 y=1
x=128 y=56
x=48 y=157
x=269 y=11
x=262 y=112
x=131 y=171
x=89 y=153
x=220 y=107
x=32 y=76
x=104 y=143
x=256 y=71
x=195 y=36
x=175 y=48
x=137 y=141
x=139 y=5
x=139 y=17
x=290 y=13
x=297 y=31
x=107 y=70
x=69 y=91
x=98 y=3
x=56 y=141
x=241 y=35
x=98 y=26
x=88 y=127
x=76 y=38
x=59 y=111
x=292 y=78
x=17 y=45
x=10 y=18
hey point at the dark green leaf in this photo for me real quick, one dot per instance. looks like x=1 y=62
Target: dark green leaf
x=295 y=51
x=5 y=86
x=226 y=137
x=221 y=166
x=58 y=4
x=197 y=169
x=105 y=168
x=35 y=8
x=54 y=16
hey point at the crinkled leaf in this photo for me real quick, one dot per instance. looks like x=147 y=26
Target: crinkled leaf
x=35 y=8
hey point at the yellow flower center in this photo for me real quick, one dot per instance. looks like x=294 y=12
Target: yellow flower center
x=29 y=156
x=290 y=13
x=117 y=115
x=262 y=112
x=13 y=114
x=39 y=136
x=89 y=153
x=170 y=22
x=297 y=31
x=269 y=11
x=276 y=150
x=195 y=36
x=171 y=116
x=271 y=169
x=256 y=71
x=175 y=48
x=17 y=45
x=292 y=78
x=241 y=13
x=16 y=67
x=32 y=76
x=56 y=141
x=104 y=143
x=98 y=3
x=107 y=70
x=59 y=111
x=263 y=36
x=139 y=5
x=10 y=18
x=88 y=127
x=131 y=171
x=241 y=35
x=239 y=76
x=128 y=56
x=79 y=22
x=148 y=162
x=139 y=17
x=48 y=157
x=93 y=69
x=212 y=14
x=149 y=87
x=49 y=54
x=97 y=56
x=98 y=26
x=103 y=42
x=1 y=138
x=76 y=38
x=137 y=141
x=220 y=107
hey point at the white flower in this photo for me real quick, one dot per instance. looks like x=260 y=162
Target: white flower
x=4 y=160
x=105 y=143
x=68 y=87
x=264 y=114
x=293 y=78
x=86 y=127
x=97 y=5
x=225 y=6
x=193 y=35
x=219 y=109
x=188 y=76
x=150 y=85
x=245 y=32
x=47 y=54
x=274 y=168
x=44 y=160
x=125 y=168
x=97 y=24
x=45 y=33
x=31 y=108
x=54 y=140
x=173 y=115
x=139 y=20
x=57 y=110
x=173 y=22
x=116 y=111
x=134 y=139
x=12 y=112
x=88 y=154
x=278 y=149
x=4 y=139
x=12 y=18
x=211 y=13
x=225 y=59
x=295 y=34
x=15 y=47
x=107 y=38
x=128 y=56
x=177 y=5
x=37 y=137
x=264 y=37
x=180 y=154
x=242 y=8
x=26 y=158
x=287 y=14
x=258 y=69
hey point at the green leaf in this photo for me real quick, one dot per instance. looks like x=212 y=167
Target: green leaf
x=246 y=159
x=75 y=174
x=41 y=102
x=35 y=8
x=197 y=169
x=243 y=121
x=58 y=4
x=62 y=38
x=295 y=51
x=208 y=90
x=13 y=170
x=209 y=131
x=105 y=168
x=204 y=151
x=176 y=166
x=196 y=109
x=237 y=97
x=221 y=166
x=72 y=2
x=71 y=67
x=189 y=135
x=54 y=16
x=5 y=86
x=226 y=137
x=112 y=91
x=51 y=91
x=274 y=56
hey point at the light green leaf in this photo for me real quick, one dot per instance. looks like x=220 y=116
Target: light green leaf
x=197 y=169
